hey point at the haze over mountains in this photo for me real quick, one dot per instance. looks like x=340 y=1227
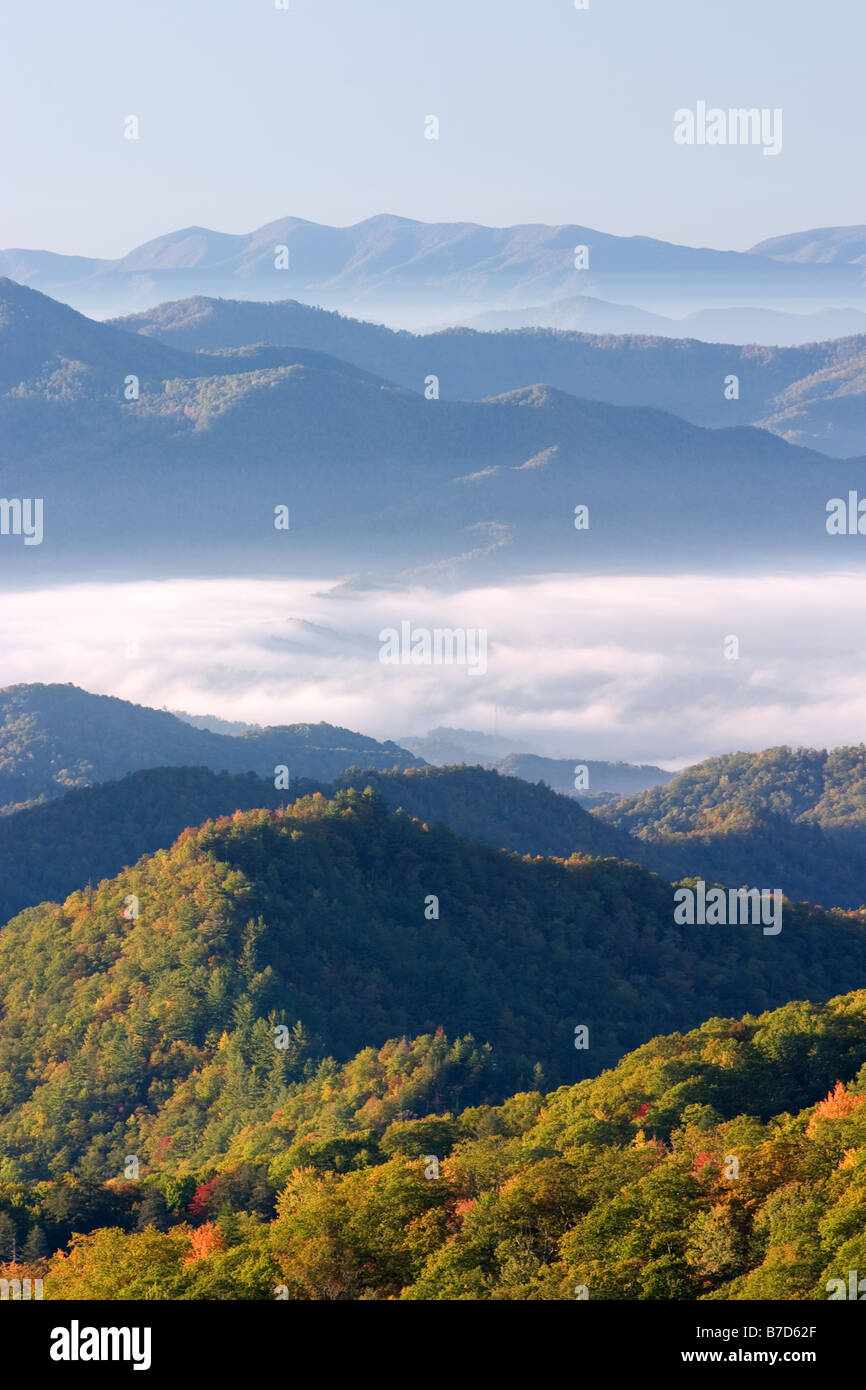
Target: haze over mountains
x=375 y=476
x=745 y=325
x=811 y=395
x=598 y=780
x=820 y=246
x=395 y=264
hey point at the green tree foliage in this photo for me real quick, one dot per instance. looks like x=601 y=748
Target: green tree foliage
x=57 y=737
x=158 y=1036
x=505 y=811
x=791 y=817
x=49 y=850
x=649 y=1181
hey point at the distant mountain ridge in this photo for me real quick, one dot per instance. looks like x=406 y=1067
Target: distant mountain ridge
x=813 y=395
x=747 y=325
x=381 y=480
x=584 y=778
x=513 y=758
x=819 y=246
x=390 y=259
x=46 y=345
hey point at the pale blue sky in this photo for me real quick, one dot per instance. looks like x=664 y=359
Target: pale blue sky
x=548 y=114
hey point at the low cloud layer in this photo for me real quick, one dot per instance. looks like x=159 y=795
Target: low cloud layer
x=627 y=668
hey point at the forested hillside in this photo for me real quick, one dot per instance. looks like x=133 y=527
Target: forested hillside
x=49 y=850
x=794 y=815
x=509 y=812
x=55 y=737
x=809 y=785
x=728 y=1162
x=362 y=925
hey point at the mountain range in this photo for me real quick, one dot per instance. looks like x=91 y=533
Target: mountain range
x=397 y=264
x=810 y=395
x=89 y=783
x=748 y=325
x=48 y=850
x=818 y=246
x=375 y=477
x=793 y=815
x=586 y=779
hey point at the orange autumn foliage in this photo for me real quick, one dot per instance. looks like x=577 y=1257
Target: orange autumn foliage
x=466 y=1204
x=204 y=1240
x=837 y=1104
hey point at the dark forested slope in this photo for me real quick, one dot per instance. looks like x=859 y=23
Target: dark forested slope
x=363 y=925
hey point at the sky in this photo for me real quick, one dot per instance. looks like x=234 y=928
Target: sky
x=640 y=669
x=547 y=113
